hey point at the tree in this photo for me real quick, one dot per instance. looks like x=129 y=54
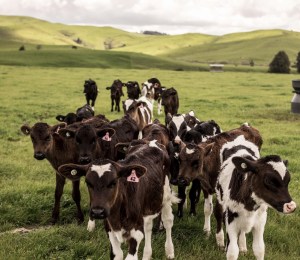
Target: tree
x=298 y=62
x=280 y=63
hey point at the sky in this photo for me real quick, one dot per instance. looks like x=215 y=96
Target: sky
x=214 y=17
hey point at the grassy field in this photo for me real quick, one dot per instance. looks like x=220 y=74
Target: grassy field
x=31 y=94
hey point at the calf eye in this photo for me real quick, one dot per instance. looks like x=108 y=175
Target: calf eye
x=112 y=184
x=271 y=183
x=89 y=184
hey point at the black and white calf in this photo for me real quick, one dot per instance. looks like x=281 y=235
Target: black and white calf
x=246 y=187
x=129 y=194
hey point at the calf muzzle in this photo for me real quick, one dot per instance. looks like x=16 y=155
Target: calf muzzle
x=39 y=156
x=289 y=207
x=183 y=182
x=98 y=213
x=84 y=160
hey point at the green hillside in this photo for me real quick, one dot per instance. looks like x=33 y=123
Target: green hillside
x=170 y=50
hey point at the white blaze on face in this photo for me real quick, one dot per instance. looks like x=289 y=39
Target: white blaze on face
x=279 y=167
x=189 y=151
x=128 y=103
x=101 y=169
x=178 y=120
x=153 y=144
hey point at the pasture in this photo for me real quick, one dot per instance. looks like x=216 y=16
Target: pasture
x=31 y=94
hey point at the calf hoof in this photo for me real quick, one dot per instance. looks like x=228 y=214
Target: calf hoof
x=193 y=213
x=53 y=221
x=80 y=220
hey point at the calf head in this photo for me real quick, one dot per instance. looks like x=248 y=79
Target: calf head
x=177 y=127
x=116 y=89
x=103 y=179
x=84 y=112
x=42 y=137
x=190 y=119
x=87 y=85
x=133 y=89
x=85 y=139
x=269 y=181
x=69 y=119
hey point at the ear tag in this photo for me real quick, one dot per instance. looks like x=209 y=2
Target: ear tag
x=124 y=149
x=27 y=131
x=68 y=134
x=244 y=165
x=73 y=172
x=132 y=177
x=106 y=137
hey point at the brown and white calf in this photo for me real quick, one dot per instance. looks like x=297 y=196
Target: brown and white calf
x=129 y=194
x=246 y=187
x=140 y=112
x=48 y=144
x=203 y=162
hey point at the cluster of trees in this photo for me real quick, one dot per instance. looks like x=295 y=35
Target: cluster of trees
x=281 y=63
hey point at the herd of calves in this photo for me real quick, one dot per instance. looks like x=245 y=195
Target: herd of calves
x=130 y=163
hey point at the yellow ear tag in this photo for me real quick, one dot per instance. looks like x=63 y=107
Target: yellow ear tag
x=73 y=172
x=244 y=165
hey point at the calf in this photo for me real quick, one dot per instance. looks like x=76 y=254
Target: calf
x=133 y=89
x=152 y=89
x=170 y=101
x=48 y=144
x=129 y=195
x=203 y=162
x=141 y=114
x=246 y=187
x=84 y=112
x=115 y=94
x=91 y=92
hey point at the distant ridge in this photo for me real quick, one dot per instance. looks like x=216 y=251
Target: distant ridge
x=236 y=48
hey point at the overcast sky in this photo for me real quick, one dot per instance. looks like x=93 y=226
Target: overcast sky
x=215 y=17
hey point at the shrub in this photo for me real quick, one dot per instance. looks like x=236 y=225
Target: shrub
x=280 y=63
x=298 y=62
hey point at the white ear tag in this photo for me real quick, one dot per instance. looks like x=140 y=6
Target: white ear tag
x=67 y=134
x=73 y=172
x=244 y=165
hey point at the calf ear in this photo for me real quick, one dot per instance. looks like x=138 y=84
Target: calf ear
x=286 y=162
x=60 y=118
x=67 y=133
x=208 y=148
x=73 y=172
x=25 y=129
x=106 y=133
x=56 y=128
x=132 y=172
x=243 y=164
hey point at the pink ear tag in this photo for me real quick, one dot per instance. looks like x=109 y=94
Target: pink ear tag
x=132 y=177
x=106 y=137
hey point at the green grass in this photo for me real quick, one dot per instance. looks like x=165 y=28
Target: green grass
x=31 y=94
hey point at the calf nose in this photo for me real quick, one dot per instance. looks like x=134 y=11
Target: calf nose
x=39 y=156
x=98 y=213
x=174 y=181
x=182 y=182
x=84 y=159
x=289 y=207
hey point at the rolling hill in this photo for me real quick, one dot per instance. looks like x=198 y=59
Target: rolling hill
x=191 y=50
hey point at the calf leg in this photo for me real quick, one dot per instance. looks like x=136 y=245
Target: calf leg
x=218 y=212
x=112 y=105
x=76 y=197
x=93 y=104
x=258 y=236
x=159 y=106
x=60 y=183
x=134 y=242
x=182 y=197
x=116 y=252
x=194 y=196
x=148 y=225
x=232 y=244
x=168 y=218
x=208 y=209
